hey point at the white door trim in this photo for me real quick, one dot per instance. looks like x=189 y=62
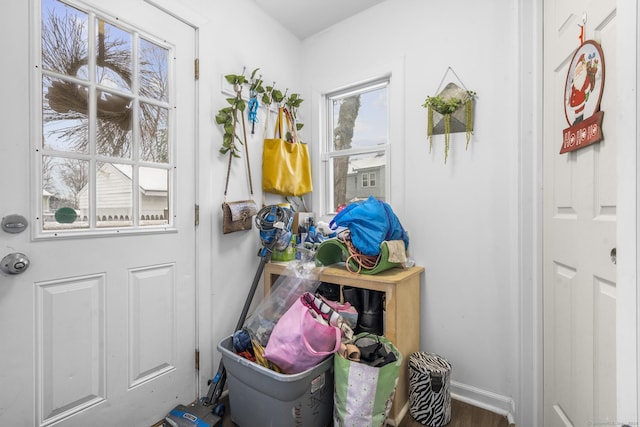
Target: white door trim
x=202 y=269
x=529 y=399
x=628 y=321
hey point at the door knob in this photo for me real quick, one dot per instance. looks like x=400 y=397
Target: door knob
x=14 y=263
x=614 y=256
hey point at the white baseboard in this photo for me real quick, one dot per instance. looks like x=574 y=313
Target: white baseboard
x=490 y=401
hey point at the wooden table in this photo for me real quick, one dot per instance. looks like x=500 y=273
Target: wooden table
x=402 y=312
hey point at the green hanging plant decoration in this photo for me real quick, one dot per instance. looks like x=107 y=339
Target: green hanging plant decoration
x=448 y=105
x=228 y=116
x=292 y=102
x=271 y=95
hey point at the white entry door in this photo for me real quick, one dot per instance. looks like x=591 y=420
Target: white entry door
x=579 y=217
x=99 y=330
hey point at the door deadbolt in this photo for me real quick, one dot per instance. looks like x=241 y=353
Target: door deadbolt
x=14 y=224
x=14 y=263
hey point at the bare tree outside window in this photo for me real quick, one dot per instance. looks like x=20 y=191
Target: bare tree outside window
x=74 y=175
x=343 y=135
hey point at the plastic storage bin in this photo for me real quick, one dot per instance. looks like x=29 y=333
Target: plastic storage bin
x=261 y=397
x=429 y=393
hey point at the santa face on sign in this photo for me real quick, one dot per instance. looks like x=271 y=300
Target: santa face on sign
x=580 y=89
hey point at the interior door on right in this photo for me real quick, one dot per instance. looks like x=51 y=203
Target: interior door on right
x=579 y=226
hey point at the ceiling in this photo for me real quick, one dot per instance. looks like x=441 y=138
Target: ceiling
x=307 y=17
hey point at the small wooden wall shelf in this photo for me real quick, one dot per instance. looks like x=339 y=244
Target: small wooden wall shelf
x=402 y=312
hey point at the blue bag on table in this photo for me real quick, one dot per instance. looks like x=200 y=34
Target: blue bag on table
x=370 y=222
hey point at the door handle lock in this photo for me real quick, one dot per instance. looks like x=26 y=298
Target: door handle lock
x=14 y=263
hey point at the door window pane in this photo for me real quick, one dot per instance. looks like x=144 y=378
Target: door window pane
x=64 y=115
x=113 y=56
x=113 y=117
x=64 y=186
x=154 y=196
x=154 y=142
x=103 y=128
x=64 y=39
x=114 y=195
x=153 y=70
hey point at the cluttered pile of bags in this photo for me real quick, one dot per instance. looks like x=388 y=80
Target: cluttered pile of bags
x=369 y=239
x=296 y=328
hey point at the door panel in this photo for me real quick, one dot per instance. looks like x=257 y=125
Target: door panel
x=579 y=230
x=100 y=329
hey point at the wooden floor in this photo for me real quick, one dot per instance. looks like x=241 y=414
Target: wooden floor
x=462 y=415
x=465 y=415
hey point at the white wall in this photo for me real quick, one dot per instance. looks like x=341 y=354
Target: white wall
x=232 y=35
x=462 y=217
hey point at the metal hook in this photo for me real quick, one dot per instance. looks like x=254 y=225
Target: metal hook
x=584 y=22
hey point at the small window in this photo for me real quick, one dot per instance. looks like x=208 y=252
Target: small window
x=357 y=148
x=105 y=154
x=368 y=179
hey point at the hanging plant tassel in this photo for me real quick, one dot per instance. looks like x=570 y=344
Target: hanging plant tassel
x=430 y=126
x=447 y=135
x=468 y=106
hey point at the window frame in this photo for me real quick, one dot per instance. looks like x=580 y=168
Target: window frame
x=328 y=154
x=93 y=158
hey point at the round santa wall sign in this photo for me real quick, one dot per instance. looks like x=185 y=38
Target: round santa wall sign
x=582 y=95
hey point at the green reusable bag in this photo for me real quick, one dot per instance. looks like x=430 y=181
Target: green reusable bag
x=363 y=394
x=333 y=251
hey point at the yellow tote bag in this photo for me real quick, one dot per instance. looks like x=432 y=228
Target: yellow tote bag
x=286 y=167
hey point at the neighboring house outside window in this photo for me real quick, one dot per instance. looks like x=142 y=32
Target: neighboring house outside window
x=362 y=179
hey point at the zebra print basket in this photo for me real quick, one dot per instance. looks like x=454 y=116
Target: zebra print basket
x=429 y=394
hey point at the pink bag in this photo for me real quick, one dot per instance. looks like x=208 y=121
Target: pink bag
x=299 y=342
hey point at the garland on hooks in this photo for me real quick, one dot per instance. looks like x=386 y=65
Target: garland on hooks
x=227 y=116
